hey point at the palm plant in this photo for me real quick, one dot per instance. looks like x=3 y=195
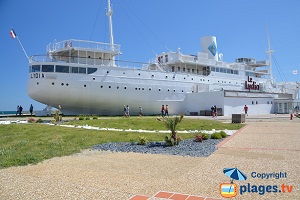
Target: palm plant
x=171 y=124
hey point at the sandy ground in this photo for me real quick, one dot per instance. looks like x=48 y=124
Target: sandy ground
x=267 y=144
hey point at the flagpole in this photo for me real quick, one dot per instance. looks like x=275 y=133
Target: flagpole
x=22 y=48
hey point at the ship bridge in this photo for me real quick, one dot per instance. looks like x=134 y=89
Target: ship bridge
x=81 y=52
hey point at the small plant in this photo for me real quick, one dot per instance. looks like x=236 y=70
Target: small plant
x=171 y=124
x=57 y=116
x=30 y=120
x=142 y=140
x=223 y=134
x=95 y=117
x=39 y=120
x=205 y=136
x=87 y=118
x=81 y=118
x=198 y=138
x=216 y=135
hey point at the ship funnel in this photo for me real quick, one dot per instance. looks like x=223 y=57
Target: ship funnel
x=209 y=46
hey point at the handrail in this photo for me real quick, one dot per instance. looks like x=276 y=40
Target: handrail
x=82 y=44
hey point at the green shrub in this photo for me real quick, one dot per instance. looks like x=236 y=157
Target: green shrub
x=39 y=120
x=216 y=135
x=87 y=118
x=95 y=117
x=81 y=118
x=142 y=140
x=223 y=134
x=205 y=136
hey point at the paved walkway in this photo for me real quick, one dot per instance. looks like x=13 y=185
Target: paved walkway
x=267 y=145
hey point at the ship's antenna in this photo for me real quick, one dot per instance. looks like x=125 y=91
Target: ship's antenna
x=269 y=52
x=109 y=14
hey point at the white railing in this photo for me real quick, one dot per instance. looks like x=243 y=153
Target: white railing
x=82 y=44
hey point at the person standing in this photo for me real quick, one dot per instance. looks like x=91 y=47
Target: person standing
x=141 y=111
x=31 y=109
x=246 y=110
x=127 y=111
x=167 y=111
x=18 y=110
x=215 y=111
x=124 y=110
x=212 y=111
x=162 y=110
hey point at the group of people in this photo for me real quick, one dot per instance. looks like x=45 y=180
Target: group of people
x=164 y=110
x=214 y=112
x=127 y=114
x=20 y=109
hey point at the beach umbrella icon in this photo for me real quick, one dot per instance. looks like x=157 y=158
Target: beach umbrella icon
x=235 y=174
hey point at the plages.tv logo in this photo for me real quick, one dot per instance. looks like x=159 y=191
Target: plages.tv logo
x=229 y=189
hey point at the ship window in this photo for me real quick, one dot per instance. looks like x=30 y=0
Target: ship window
x=74 y=69
x=188 y=70
x=213 y=69
x=35 y=68
x=84 y=85
x=37 y=83
x=109 y=86
x=159 y=89
x=142 y=88
x=125 y=88
x=62 y=84
x=168 y=90
x=91 y=70
x=150 y=89
x=101 y=86
x=135 y=88
x=62 y=69
x=236 y=72
x=52 y=83
x=181 y=90
x=252 y=102
x=256 y=102
x=117 y=87
x=178 y=69
x=166 y=76
x=47 y=68
x=183 y=70
x=82 y=70
x=173 y=68
x=192 y=78
x=67 y=84
x=174 y=90
x=193 y=70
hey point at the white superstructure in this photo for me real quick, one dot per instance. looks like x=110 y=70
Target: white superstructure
x=84 y=77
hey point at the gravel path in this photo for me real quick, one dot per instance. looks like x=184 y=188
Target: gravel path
x=185 y=148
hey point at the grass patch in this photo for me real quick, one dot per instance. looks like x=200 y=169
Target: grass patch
x=150 y=123
x=22 y=144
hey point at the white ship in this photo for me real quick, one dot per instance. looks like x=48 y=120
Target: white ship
x=85 y=77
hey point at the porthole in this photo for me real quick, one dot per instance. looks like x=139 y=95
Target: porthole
x=142 y=88
x=109 y=86
x=135 y=88
x=125 y=88
x=123 y=72
x=184 y=78
x=107 y=72
x=93 y=78
x=168 y=90
x=181 y=90
x=62 y=84
x=159 y=89
x=166 y=76
x=84 y=85
x=101 y=86
x=150 y=89
x=174 y=90
x=139 y=74
x=117 y=87
x=152 y=76
x=67 y=84
x=192 y=78
x=139 y=88
x=52 y=83
x=37 y=83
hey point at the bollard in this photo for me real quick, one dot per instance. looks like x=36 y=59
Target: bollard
x=291 y=117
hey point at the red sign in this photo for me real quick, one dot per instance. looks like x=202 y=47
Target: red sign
x=251 y=85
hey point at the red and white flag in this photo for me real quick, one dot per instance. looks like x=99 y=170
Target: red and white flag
x=13 y=33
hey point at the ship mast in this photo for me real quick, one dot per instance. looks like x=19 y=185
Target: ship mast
x=269 y=52
x=109 y=14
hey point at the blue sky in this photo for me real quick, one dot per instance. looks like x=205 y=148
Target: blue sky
x=142 y=27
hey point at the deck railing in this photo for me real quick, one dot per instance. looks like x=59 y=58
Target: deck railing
x=84 y=44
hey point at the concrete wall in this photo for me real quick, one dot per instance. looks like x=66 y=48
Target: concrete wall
x=235 y=105
x=203 y=101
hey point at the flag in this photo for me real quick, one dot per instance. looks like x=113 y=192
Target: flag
x=13 y=33
x=295 y=71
